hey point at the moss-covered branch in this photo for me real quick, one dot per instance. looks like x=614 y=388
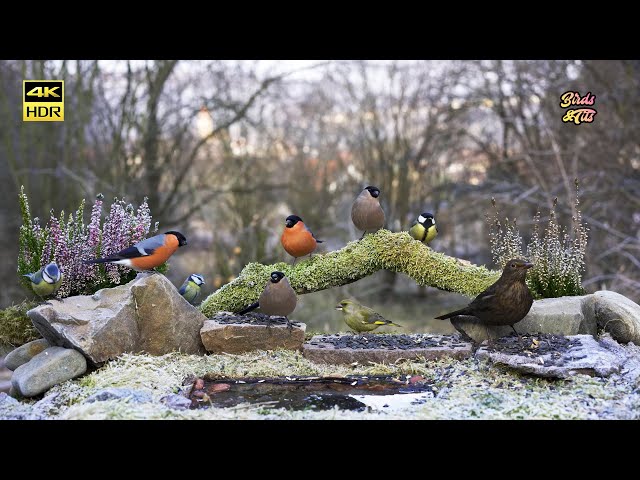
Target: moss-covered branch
x=383 y=250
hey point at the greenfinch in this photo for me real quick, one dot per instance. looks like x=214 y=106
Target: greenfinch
x=361 y=318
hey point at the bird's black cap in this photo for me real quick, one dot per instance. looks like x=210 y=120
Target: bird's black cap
x=181 y=239
x=374 y=191
x=425 y=217
x=292 y=220
x=276 y=277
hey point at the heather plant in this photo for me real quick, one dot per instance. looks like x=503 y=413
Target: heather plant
x=68 y=241
x=558 y=254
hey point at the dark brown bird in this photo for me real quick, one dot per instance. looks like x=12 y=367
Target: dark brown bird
x=506 y=302
x=366 y=212
x=277 y=299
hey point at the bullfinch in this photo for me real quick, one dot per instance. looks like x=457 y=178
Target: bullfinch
x=297 y=239
x=277 y=298
x=366 y=212
x=147 y=254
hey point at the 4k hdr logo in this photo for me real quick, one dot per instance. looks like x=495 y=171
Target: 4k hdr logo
x=43 y=100
x=578 y=115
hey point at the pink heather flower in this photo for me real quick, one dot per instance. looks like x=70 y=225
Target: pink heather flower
x=70 y=242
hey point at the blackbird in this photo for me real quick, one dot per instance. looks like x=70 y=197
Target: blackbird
x=506 y=302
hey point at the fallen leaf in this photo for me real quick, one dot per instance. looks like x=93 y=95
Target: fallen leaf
x=218 y=387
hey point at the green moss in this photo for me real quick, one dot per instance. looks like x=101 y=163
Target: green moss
x=15 y=327
x=383 y=250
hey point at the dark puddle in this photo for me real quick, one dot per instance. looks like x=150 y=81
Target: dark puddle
x=314 y=393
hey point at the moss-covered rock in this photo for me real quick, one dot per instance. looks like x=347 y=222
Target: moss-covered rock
x=383 y=250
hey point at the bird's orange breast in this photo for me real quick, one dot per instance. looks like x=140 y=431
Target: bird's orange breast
x=298 y=241
x=158 y=257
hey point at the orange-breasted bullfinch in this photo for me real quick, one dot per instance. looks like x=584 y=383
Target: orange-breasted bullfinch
x=147 y=254
x=297 y=239
x=277 y=298
x=366 y=212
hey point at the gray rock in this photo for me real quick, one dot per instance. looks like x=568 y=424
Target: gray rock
x=50 y=367
x=590 y=357
x=244 y=337
x=176 y=401
x=145 y=315
x=5 y=348
x=113 y=393
x=617 y=315
x=330 y=354
x=558 y=316
x=13 y=392
x=25 y=353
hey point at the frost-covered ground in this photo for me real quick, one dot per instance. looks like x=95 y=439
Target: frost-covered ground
x=468 y=389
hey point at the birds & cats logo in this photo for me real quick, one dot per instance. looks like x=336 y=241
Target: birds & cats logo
x=578 y=116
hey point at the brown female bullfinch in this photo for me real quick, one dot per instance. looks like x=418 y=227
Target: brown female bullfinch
x=366 y=212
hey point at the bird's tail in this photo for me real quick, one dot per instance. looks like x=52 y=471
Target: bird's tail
x=100 y=260
x=387 y=322
x=451 y=314
x=253 y=306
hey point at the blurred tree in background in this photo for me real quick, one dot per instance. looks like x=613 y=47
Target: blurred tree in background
x=225 y=150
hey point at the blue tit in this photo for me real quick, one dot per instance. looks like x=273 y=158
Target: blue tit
x=45 y=281
x=190 y=289
x=424 y=229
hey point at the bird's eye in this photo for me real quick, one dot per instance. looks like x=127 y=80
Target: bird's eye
x=513 y=265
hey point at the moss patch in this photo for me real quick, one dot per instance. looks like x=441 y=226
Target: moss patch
x=15 y=327
x=383 y=250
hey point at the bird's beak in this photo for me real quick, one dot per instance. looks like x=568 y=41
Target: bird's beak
x=527 y=265
x=338 y=307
